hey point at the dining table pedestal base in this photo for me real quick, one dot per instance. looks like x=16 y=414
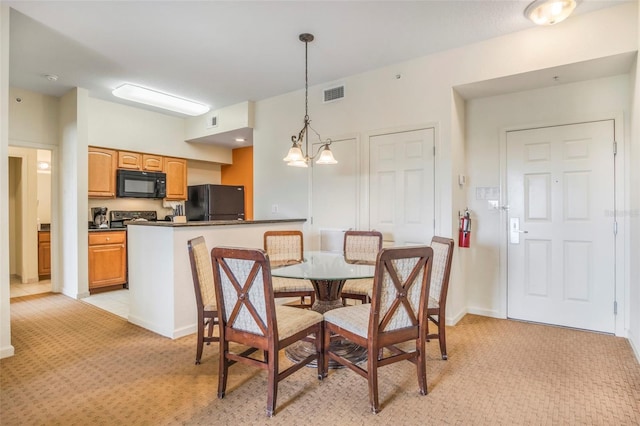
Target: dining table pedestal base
x=300 y=350
x=328 y=297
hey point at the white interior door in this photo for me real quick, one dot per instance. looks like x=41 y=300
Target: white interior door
x=560 y=189
x=334 y=196
x=401 y=186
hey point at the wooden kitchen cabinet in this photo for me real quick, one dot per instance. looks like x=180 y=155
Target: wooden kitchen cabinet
x=176 y=170
x=102 y=172
x=107 y=259
x=152 y=163
x=138 y=161
x=129 y=160
x=44 y=254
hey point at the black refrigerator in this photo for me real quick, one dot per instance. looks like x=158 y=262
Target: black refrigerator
x=215 y=202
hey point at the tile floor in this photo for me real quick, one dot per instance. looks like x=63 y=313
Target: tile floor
x=116 y=302
x=18 y=289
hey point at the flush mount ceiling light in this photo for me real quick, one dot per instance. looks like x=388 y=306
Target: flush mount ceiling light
x=549 y=12
x=157 y=99
x=296 y=157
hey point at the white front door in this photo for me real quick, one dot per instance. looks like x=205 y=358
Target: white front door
x=401 y=186
x=560 y=190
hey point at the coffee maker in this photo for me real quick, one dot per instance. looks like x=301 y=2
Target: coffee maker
x=99 y=215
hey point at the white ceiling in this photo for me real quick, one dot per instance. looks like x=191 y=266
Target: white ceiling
x=224 y=52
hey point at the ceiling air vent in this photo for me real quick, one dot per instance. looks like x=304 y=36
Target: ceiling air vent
x=212 y=121
x=333 y=94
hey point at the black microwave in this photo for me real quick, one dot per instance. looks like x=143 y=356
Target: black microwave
x=136 y=184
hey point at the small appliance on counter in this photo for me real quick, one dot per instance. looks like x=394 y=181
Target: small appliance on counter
x=99 y=215
x=119 y=217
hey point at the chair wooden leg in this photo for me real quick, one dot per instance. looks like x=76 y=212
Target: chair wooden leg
x=223 y=368
x=442 y=337
x=372 y=378
x=210 y=331
x=421 y=365
x=200 y=340
x=272 y=385
x=320 y=351
x=326 y=340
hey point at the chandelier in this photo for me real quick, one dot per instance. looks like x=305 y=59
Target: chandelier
x=296 y=156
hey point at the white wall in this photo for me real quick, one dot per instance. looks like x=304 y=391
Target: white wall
x=487 y=118
x=6 y=349
x=378 y=100
x=634 y=210
x=123 y=127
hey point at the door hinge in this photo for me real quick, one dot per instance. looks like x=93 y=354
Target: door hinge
x=615 y=147
x=434 y=151
x=615 y=228
x=615 y=308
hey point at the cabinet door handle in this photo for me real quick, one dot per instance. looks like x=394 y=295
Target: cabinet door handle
x=108 y=239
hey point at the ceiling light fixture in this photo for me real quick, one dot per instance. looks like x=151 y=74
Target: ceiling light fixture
x=296 y=157
x=549 y=12
x=240 y=139
x=160 y=100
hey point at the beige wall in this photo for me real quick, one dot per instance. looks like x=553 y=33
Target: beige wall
x=377 y=101
x=118 y=126
x=33 y=117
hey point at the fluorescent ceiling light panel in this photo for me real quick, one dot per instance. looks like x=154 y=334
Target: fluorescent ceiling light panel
x=159 y=100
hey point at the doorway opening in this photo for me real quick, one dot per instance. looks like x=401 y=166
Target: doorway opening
x=29 y=220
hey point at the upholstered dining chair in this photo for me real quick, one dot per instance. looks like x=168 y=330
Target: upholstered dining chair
x=397 y=314
x=442 y=256
x=360 y=247
x=205 y=292
x=248 y=316
x=286 y=248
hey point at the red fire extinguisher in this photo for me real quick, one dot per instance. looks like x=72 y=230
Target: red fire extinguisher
x=464 y=232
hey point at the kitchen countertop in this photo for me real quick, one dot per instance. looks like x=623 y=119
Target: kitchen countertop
x=106 y=229
x=211 y=223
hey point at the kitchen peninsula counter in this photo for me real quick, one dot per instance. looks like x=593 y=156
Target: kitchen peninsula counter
x=161 y=293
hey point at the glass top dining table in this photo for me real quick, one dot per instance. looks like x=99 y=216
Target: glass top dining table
x=327 y=272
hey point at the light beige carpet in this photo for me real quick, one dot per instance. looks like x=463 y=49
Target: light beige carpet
x=76 y=364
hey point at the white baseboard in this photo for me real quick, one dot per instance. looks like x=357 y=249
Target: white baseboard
x=185 y=331
x=7 y=351
x=634 y=347
x=484 y=312
x=149 y=326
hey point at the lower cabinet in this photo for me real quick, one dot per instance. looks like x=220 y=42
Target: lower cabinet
x=44 y=254
x=107 y=259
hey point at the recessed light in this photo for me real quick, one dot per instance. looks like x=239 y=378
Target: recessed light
x=240 y=139
x=51 y=77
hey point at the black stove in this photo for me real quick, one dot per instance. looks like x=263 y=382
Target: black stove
x=117 y=218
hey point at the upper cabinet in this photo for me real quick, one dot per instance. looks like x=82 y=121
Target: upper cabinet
x=176 y=170
x=152 y=163
x=103 y=164
x=138 y=161
x=102 y=172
